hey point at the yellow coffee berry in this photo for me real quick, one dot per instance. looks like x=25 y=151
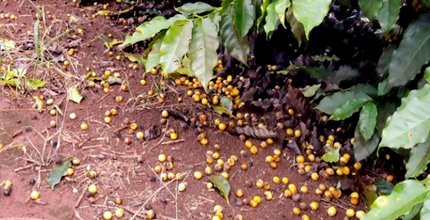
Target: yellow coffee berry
x=314 y=206
x=162 y=158
x=198 y=175
x=34 y=195
x=107 y=215
x=350 y=213
x=332 y=211
x=92 y=189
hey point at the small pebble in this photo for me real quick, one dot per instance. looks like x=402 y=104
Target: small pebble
x=152 y=178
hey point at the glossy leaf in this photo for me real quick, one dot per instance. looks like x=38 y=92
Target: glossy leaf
x=74 y=95
x=427 y=74
x=245 y=16
x=367 y=120
x=404 y=197
x=413 y=94
x=425 y=211
x=310 y=13
x=410 y=124
x=203 y=50
x=412 y=54
x=414 y=214
x=275 y=13
x=370 y=8
x=263 y=8
x=154 y=55
x=362 y=148
x=389 y=14
x=418 y=159
x=59 y=171
x=383 y=87
x=329 y=104
x=150 y=28
x=385 y=59
x=195 y=8
x=174 y=46
x=222 y=185
x=332 y=156
x=296 y=27
x=236 y=46
x=350 y=107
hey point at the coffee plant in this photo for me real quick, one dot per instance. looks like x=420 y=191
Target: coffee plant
x=393 y=110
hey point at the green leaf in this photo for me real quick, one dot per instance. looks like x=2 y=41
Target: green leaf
x=275 y=12
x=263 y=8
x=383 y=87
x=427 y=74
x=410 y=124
x=349 y=108
x=74 y=95
x=296 y=27
x=195 y=8
x=310 y=13
x=414 y=214
x=413 y=94
x=111 y=43
x=203 y=50
x=384 y=187
x=222 y=185
x=230 y=38
x=418 y=160
x=332 y=156
x=138 y=58
x=59 y=171
x=403 y=198
x=245 y=16
x=370 y=8
x=370 y=195
x=150 y=28
x=154 y=55
x=425 y=211
x=385 y=59
x=113 y=80
x=330 y=103
x=412 y=54
x=310 y=91
x=367 y=120
x=363 y=148
x=174 y=46
x=186 y=67
x=35 y=84
x=389 y=14
x=426 y=3
x=225 y=107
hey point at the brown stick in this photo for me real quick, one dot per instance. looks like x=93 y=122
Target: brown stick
x=80 y=198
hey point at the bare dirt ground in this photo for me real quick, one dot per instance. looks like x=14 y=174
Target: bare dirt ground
x=123 y=164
